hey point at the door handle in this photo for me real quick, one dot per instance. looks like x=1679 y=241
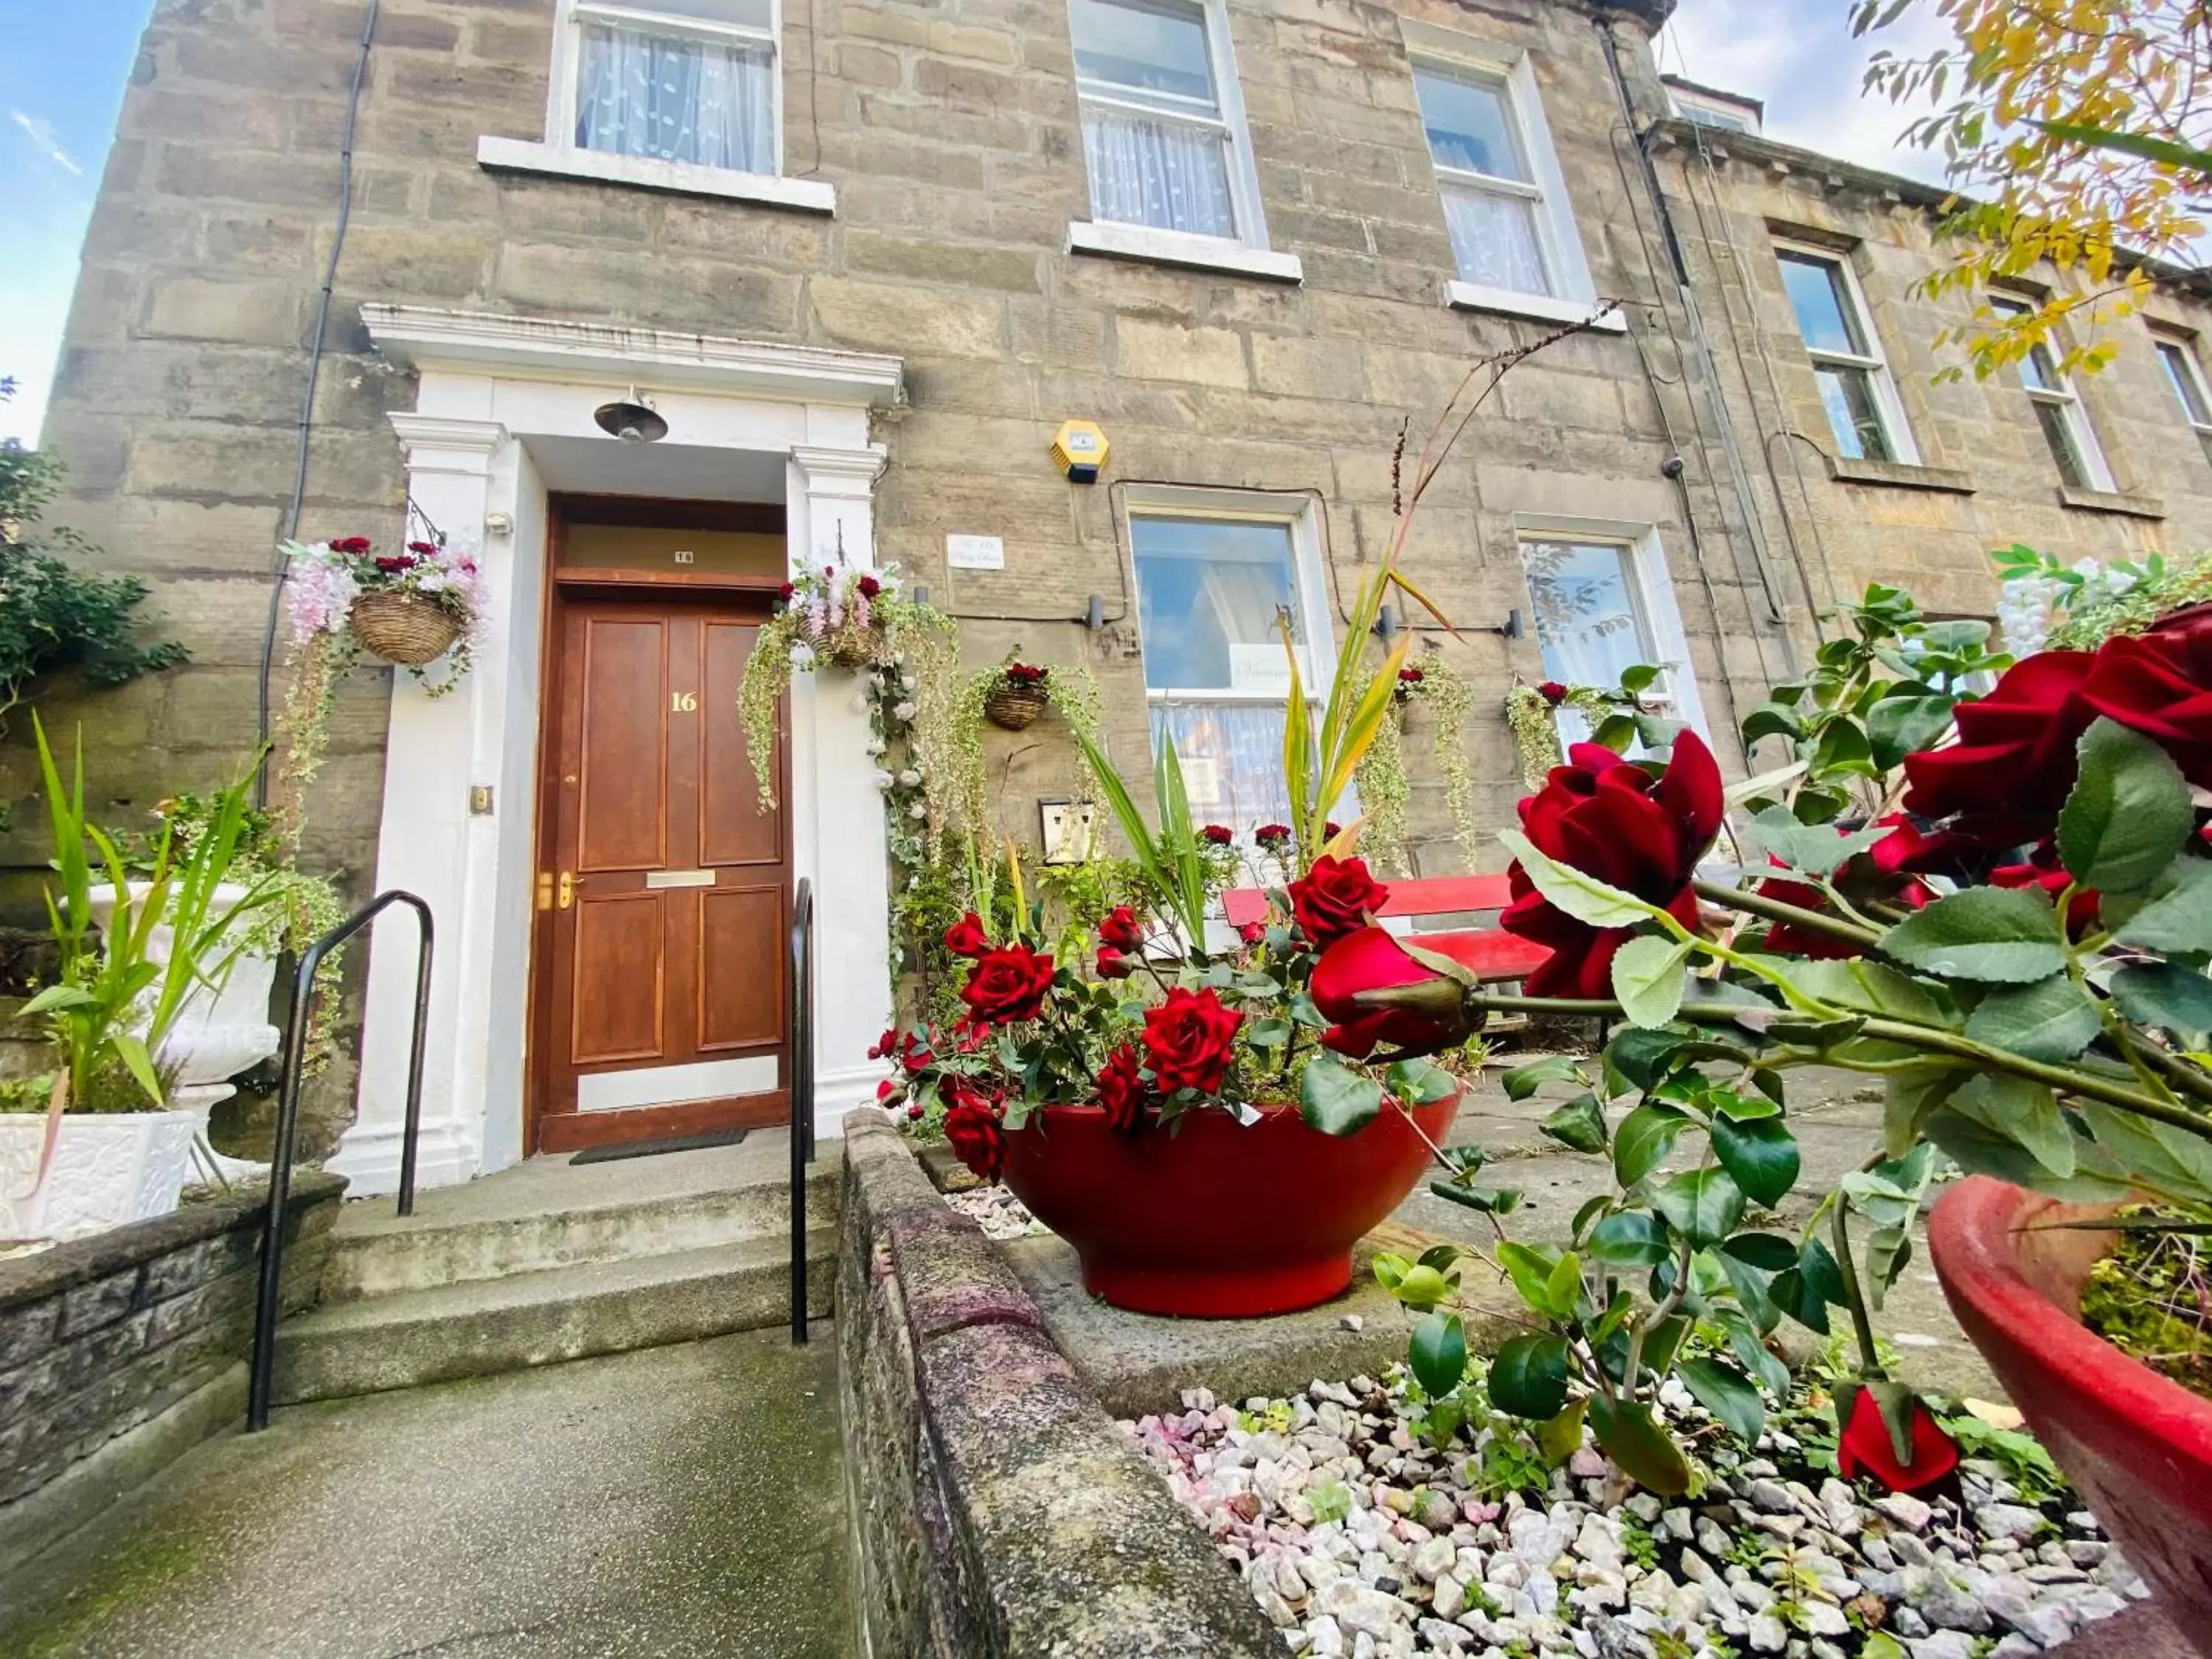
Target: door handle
x=568 y=896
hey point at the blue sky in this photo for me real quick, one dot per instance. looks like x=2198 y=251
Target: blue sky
x=64 y=63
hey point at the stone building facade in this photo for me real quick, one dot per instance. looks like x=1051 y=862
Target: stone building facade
x=1255 y=240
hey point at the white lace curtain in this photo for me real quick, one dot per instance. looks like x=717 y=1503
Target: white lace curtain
x=1163 y=173
x=1494 y=239
x=676 y=98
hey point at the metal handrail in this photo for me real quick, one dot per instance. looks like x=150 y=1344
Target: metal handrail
x=287 y=1125
x=802 y=1091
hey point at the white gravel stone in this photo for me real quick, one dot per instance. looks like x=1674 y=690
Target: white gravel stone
x=1767 y=1634
x=1906 y=1510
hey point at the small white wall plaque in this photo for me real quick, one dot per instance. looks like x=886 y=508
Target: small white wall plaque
x=976 y=552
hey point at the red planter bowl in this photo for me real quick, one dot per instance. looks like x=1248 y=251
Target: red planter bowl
x=1216 y=1220
x=2137 y=1446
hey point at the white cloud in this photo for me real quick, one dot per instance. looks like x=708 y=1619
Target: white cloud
x=46 y=141
x=1801 y=59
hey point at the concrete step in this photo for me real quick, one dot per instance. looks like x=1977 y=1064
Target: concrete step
x=546 y=1214
x=483 y=1326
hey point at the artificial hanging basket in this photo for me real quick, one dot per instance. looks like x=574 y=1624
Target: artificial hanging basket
x=408 y=629
x=1015 y=703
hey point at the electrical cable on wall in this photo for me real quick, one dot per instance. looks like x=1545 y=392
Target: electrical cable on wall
x=291 y=524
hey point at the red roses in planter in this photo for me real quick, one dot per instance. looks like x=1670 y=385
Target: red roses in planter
x=1190 y=1040
x=1007 y=985
x=1336 y=897
x=1612 y=819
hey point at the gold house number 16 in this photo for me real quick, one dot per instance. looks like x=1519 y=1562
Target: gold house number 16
x=684 y=702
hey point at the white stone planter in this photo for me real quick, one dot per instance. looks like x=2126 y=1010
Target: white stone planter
x=220 y=1032
x=108 y=1167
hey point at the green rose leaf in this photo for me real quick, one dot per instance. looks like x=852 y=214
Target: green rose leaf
x=1523 y=1081
x=1903 y=725
x=1812 y=849
x=2177 y=920
x=2167 y=995
x=1749 y=1286
x=1647 y=977
x=1582 y=896
x=1980 y=1149
x=1628 y=1434
x=1760 y=1154
x=1528 y=1377
x=1630 y=1239
x=2023 y=1112
x=1768 y=1252
x=1646 y=1135
x=2127 y=814
x=1869 y=987
x=2175 y=1163
x=2053 y=1019
x=1580 y=1124
x=1771 y=720
x=1483 y=1201
x=1530 y=1269
x=1908 y=1097
x=1418 y=1082
x=1438 y=1354
x=1337 y=1100
x=1728 y=1393
x=1999 y=935
x=1843 y=748
x=1560 y=1436
x=1703 y=1204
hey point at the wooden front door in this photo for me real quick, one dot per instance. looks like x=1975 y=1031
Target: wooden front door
x=660 y=993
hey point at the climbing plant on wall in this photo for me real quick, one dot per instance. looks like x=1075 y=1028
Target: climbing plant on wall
x=1435 y=686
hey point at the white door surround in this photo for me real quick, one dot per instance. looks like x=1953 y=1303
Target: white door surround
x=491 y=388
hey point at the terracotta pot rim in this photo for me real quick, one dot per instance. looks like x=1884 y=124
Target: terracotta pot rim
x=1970 y=1236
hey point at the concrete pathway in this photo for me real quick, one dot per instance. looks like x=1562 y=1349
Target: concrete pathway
x=677 y=1501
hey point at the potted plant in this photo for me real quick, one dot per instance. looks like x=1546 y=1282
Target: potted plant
x=411 y=607
x=1018 y=696
x=2002 y=907
x=102 y=1146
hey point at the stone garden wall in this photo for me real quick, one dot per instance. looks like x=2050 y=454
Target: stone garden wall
x=119 y=1352
x=998 y=1511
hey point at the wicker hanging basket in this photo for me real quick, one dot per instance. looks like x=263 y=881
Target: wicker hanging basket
x=1015 y=707
x=403 y=627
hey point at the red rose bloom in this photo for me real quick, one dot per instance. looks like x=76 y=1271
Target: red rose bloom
x=1217 y=834
x=1336 y=898
x=1410 y=677
x=972 y=1126
x=1331 y=832
x=1252 y=932
x=1865 y=1447
x=350 y=545
x=1121 y=1089
x=392 y=563
x=869 y=587
x=425 y=550
x=966 y=937
x=1190 y=1039
x=1553 y=692
x=1112 y=964
x=1022 y=673
x=1612 y=819
x=884 y=1045
x=786 y=591
x=1007 y=985
x=1271 y=835
x=1122 y=929
x=1372 y=960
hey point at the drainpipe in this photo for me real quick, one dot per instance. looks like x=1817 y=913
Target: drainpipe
x=1739 y=478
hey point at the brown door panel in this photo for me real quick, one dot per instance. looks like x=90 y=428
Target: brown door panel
x=669 y=948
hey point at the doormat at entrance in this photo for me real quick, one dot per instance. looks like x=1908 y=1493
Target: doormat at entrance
x=653 y=1148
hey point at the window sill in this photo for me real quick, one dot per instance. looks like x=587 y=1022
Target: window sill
x=767 y=190
x=1151 y=245
x=2111 y=500
x=1538 y=307
x=1898 y=474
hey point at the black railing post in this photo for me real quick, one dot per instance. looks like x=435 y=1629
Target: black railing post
x=802 y=1091
x=287 y=1126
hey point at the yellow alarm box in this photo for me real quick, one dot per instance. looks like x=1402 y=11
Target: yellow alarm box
x=1078 y=449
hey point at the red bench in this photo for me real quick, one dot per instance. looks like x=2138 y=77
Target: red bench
x=1491 y=953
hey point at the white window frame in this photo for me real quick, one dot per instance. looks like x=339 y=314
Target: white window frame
x=1743 y=119
x=1888 y=407
x=1246 y=252
x=1558 y=239
x=2178 y=353
x=1651 y=591
x=2061 y=395
x=560 y=154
